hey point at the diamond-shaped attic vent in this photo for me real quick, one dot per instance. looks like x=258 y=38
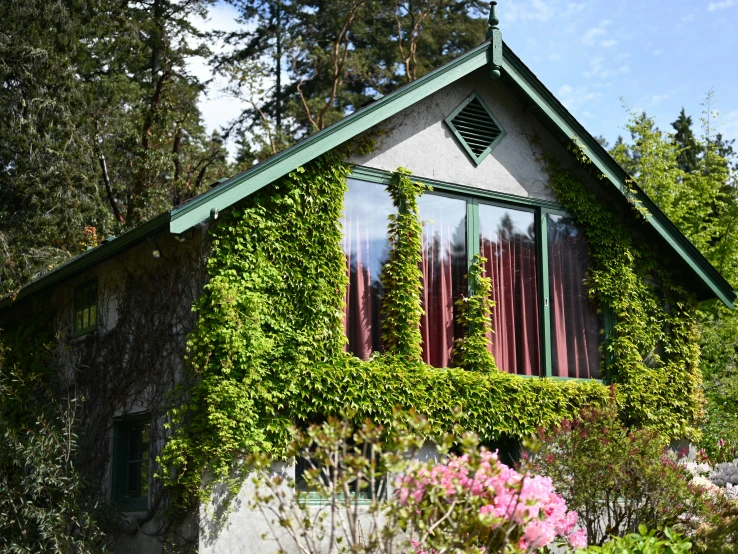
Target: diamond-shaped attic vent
x=475 y=128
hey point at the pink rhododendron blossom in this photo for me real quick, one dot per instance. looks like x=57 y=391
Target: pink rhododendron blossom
x=504 y=497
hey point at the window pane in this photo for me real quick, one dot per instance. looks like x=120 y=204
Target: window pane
x=444 y=268
x=575 y=326
x=508 y=242
x=366 y=209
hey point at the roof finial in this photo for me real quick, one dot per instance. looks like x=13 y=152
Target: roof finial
x=494 y=35
x=493 y=21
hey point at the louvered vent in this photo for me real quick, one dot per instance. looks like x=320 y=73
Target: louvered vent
x=475 y=128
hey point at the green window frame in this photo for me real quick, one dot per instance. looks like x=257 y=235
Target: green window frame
x=540 y=209
x=131 y=471
x=85 y=308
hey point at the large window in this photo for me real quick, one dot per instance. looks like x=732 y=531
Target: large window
x=366 y=209
x=575 y=326
x=544 y=323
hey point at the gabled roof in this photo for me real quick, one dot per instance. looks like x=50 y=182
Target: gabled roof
x=545 y=107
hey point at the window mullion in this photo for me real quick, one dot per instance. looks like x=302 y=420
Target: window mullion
x=544 y=297
x=472 y=236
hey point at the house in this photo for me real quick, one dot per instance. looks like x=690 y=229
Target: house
x=515 y=179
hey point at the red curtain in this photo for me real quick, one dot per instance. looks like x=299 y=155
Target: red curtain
x=444 y=268
x=511 y=264
x=575 y=325
x=365 y=245
x=437 y=323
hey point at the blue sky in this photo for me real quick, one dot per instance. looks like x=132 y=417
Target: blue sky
x=655 y=55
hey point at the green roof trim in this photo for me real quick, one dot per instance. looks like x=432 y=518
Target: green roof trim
x=240 y=186
x=545 y=107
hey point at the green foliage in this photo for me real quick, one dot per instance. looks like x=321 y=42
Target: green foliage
x=618 y=478
x=689 y=177
x=267 y=350
x=475 y=317
x=401 y=275
x=721 y=538
x=273 y=305
x=44 y=505
x=99 y=125
x=645 y=542
x=654 y=352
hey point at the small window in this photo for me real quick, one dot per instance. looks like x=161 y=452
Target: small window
x=131 y=449
x=85 y=308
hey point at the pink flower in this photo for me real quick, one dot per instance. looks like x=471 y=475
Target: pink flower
x=578 y=539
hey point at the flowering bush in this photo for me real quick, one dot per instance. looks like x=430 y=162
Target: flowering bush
x=618 y=478
x=476 y=503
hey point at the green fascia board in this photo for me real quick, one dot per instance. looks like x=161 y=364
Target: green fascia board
x=90 y=258
x=240 y=186
x=550 y=108
x=449 y=122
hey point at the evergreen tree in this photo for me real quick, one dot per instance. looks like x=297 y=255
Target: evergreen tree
x=688 y=144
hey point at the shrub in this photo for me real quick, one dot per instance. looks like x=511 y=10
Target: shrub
x=645 y=542
x=618 y=479
x=474 y=503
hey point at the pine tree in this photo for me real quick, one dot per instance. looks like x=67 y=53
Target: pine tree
x=689 y=147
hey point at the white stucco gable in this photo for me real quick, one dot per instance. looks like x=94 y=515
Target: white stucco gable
x=418 y=139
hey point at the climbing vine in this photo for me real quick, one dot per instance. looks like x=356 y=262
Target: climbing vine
x=475 y=316
x=401 y=275
x=268 y=347
x=653 y=351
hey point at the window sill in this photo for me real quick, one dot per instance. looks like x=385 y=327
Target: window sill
x=315 y=499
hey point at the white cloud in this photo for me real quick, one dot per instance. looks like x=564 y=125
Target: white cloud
x=536 y=10
x=656 y=99
x=591 y=35
x=574 y=98
x=720 y=5
x=604 y=68
x=656 y=52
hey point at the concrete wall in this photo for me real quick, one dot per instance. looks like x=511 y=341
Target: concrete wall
x=418 y=139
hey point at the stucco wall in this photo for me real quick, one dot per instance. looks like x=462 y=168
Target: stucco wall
x=418 y=139
x=247 y=531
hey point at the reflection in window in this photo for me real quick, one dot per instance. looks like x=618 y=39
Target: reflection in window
x=575 y=325
x=508 y=242
x=444 y=267
x=366 y=209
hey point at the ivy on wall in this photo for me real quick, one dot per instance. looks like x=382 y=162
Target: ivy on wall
x=475 y=317
x=268 y=348
x=654 y=350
